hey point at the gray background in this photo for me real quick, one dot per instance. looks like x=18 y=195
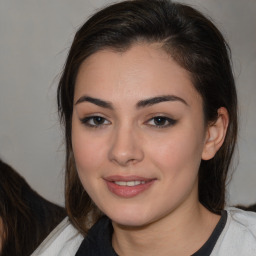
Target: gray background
x=34 y=39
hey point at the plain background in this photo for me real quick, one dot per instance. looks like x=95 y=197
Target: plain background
x=34 y=39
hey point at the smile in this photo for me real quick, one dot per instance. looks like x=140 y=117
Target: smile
x=128 y=187
x=129 y=183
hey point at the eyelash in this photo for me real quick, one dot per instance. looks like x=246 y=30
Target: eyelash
x=86 y=121
x=170 y=122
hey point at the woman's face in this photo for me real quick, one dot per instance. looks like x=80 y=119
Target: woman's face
x=138 y=134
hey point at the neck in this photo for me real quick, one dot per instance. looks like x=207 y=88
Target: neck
x=181 y=232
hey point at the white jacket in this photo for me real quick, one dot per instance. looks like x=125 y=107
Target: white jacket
x=238 y=237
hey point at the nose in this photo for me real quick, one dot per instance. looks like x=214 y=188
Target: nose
x=125 y=148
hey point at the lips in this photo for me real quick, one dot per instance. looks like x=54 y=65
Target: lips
x=128 y=186
x=130 y=183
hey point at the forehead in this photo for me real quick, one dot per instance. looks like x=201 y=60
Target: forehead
x=142 y=71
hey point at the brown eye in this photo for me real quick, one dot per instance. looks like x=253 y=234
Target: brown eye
x=161 y=121
x=98 y=120
x=94 y=121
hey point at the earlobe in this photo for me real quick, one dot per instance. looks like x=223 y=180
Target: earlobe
x=215 y=134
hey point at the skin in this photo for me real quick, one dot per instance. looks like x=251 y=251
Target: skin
x=127 y=141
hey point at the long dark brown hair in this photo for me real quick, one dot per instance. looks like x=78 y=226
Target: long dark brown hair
x=27 y=218
x=194 y=43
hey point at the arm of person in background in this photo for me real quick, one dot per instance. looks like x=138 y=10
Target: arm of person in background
x=26 y=218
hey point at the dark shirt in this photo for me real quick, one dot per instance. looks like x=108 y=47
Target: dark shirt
x=99 y=239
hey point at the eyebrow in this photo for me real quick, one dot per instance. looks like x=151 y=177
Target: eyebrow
x=98 y=102
x=159 y=99
x=140 y=104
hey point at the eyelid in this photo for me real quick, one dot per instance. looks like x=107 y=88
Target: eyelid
x=170 y=121
x=85 y=121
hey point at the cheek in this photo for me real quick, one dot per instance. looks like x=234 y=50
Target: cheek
x=83 y=152
x=89 y=161
x=88 y=151
x=178 y=153
x=177 y=159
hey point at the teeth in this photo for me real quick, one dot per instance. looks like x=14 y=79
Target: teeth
x=129 y=183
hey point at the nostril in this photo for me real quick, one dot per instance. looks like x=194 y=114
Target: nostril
x=124 y=148
x=124 y=157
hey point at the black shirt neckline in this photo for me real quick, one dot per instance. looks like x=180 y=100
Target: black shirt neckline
x=99 y=239
x=207 y=248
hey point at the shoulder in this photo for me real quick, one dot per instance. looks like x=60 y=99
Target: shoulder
x=242 y=219
x=239 y=234
x=64 y=240
x=243 y=223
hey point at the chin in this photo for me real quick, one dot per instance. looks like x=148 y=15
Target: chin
x=128 y=222
x=130 y=217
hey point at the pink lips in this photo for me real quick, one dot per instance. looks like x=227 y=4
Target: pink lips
x=128 y=186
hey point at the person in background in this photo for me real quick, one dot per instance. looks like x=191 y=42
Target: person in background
x=251 y=207
x=26 y=218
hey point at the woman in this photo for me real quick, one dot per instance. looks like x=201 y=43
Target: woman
x=25 y=217
x=148 y=101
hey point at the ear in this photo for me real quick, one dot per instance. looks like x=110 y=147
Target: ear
x=215 y=134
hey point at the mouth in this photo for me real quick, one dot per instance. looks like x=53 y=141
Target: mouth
x=128 y=186
x=130 y=183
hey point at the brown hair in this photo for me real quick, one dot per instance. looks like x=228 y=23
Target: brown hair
x=194 y=43
x=27 y=218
